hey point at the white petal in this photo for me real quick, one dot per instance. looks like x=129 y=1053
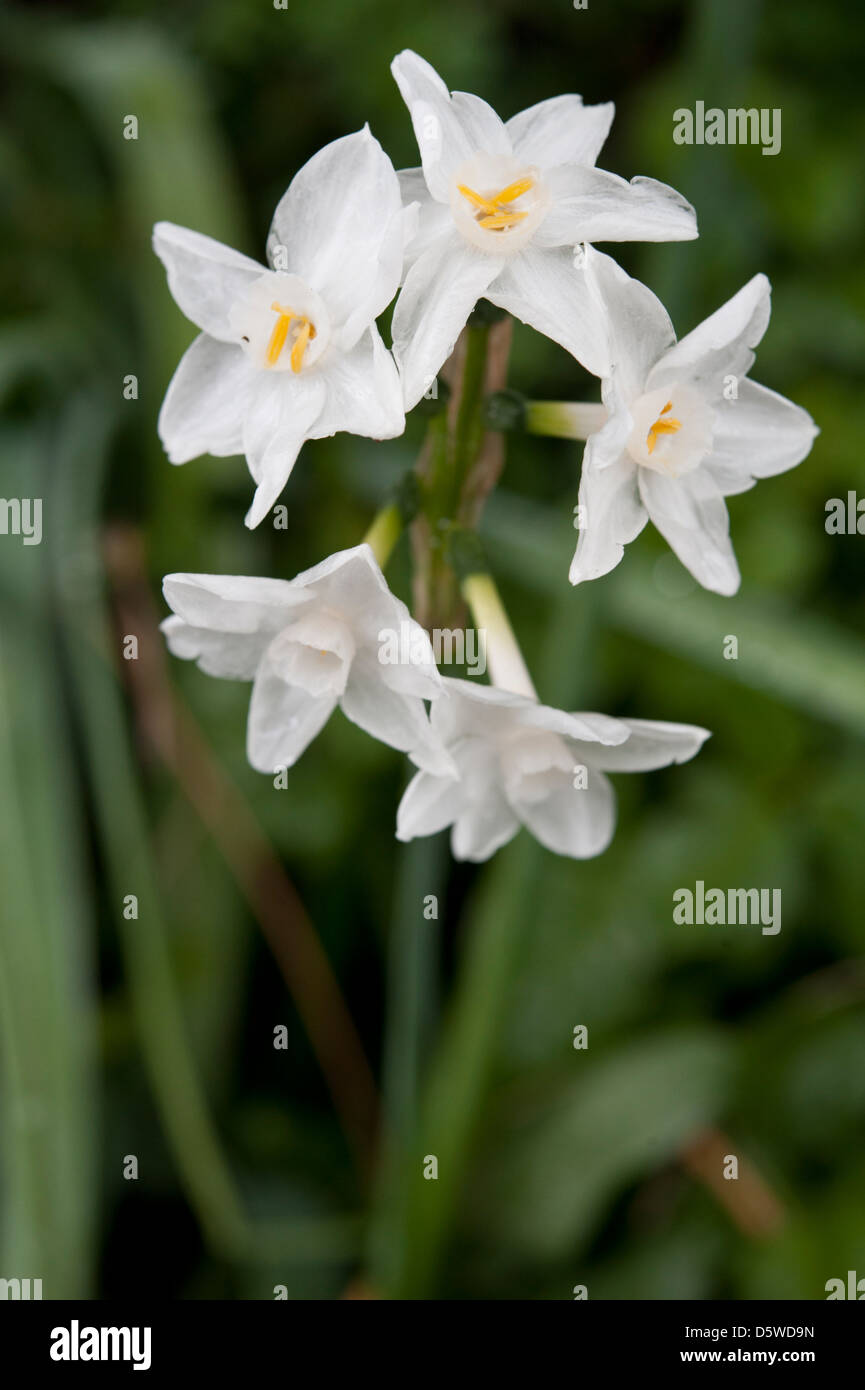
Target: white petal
x=204 y=276
x=650 y=744
x=413 y=189
x=593 y=205
x=721 y=345
x=448 y=131
x=486 y=694
x=280 y=417
x=351 y=583
x=417 y=674
x=229 y=655
x=640 y=330
x=484 y=128
x=432 y=218
x=314 y=652
x=283 y=721
x=483 y=827
x=560 y=131
x=428 y=805
x=231 y=603
x=596 y=728
x=364 y=392
x=398 y=720
x=471 y=709
x=483 y=711
x=348 y=583
x=439 y=293
x=575 y=821
x=544 y=289
x=206 y=402
x=757 y=435
x=612 y=514
x=341 y=224
x=691 y=515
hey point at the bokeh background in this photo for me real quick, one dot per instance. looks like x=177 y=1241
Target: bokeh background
x=152 y=1038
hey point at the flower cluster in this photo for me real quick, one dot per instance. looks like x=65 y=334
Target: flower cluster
x=289 y=351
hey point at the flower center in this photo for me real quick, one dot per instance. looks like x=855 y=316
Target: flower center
x=292 y=341
x=314 y=652
x=497 y=203
x=302 y=334
x=533 y=765
x=662 y=426
x=672 y=429
x=494 y=213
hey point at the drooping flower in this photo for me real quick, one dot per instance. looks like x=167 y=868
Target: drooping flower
x=502 y=205
x=685 y=428
x=523 y=763
x=310 y=644
x=290 y=352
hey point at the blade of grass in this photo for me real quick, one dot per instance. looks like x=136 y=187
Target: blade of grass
x=45 y=990
x=48 y=1105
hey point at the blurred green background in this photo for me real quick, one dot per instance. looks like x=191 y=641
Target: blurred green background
x=153 y=1037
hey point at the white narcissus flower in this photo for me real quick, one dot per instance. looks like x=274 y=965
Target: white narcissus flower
x=291 y=352
x=684 y=429
x=522 y=763
x=310 y=644
x=502 y=205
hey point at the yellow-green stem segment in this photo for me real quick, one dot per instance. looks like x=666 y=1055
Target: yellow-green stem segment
x=384 y=533
x=565 y=419
x=506 y=665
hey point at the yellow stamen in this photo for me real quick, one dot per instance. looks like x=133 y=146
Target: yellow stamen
x=497 y=216
x=300 y=345
x=279 y=334
x=662 y=427
x=514 y=191
x=484 y=204
x=500 y=220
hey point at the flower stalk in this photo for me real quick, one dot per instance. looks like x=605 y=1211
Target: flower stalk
x=564 y=419
x=459 y=464
x=384 y=532
x=505 y=660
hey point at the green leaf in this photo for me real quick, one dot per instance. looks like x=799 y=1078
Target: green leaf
x=624 y=1115
x=47 y=946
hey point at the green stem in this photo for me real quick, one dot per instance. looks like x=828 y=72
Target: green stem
x=412 y=1009
x=492 y=934
x=384 y=532
x=564 y=419
x=413 y=1224
x=506 y=665
x=454 y=441
x=469 y=425
x=456 y=435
